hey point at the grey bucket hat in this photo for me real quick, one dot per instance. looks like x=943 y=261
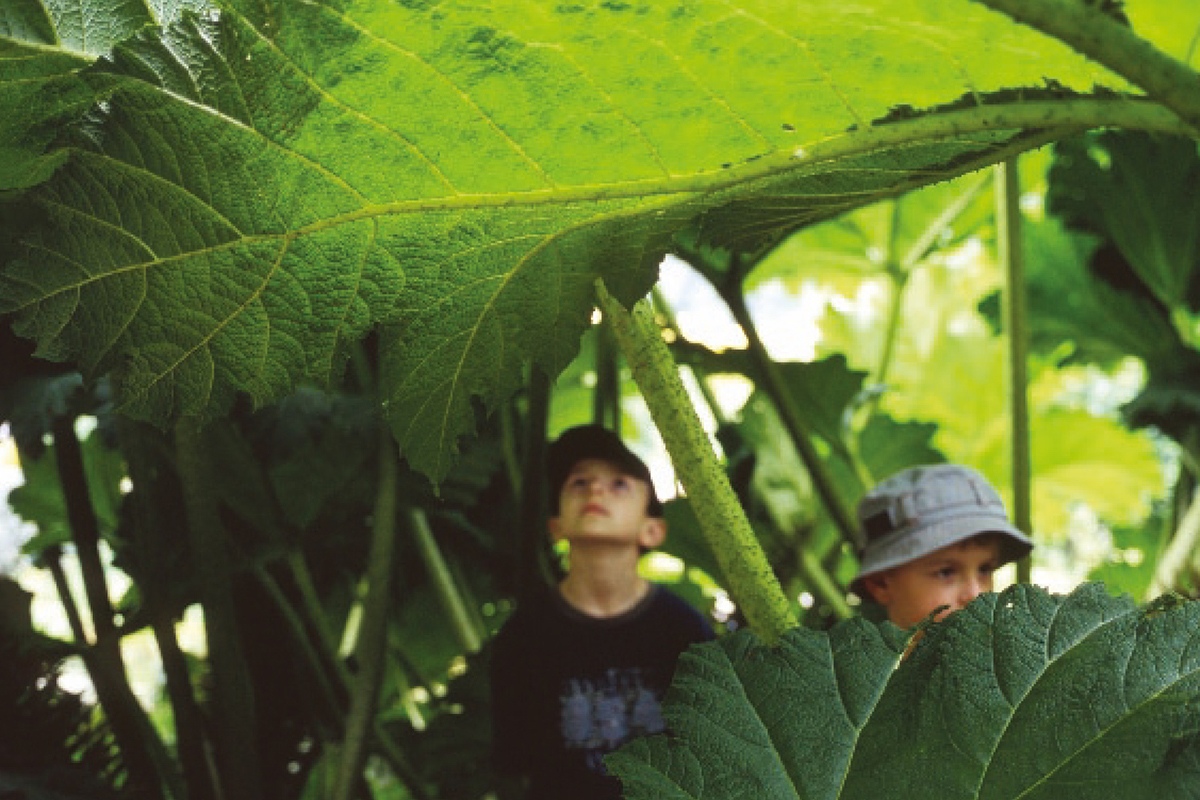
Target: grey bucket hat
x=922 y=509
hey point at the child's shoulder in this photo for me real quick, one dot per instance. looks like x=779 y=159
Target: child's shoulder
x=671 y=609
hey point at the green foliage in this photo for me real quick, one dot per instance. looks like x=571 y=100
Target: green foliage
x=891 y=235
x=1134 y=193
x=1021 y=694
x=51 y=741
x=213 y=203
x=40 y=500
x=263 y=184
x=1138 y=192
x=1099 y=322
x=1130 y=565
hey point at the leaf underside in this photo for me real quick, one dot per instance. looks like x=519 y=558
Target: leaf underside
x=230 y=198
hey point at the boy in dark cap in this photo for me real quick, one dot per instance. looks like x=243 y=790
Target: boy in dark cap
x=578 y=672
x=934 y=536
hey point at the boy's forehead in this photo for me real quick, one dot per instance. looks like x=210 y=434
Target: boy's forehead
x=592 y=464
x=988 y=541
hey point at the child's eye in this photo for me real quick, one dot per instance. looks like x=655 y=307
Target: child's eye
x=944 y=572
x=620 y=484
x=577 y=482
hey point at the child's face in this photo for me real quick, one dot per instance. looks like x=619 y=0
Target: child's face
x=600 y=504
x=951 y=576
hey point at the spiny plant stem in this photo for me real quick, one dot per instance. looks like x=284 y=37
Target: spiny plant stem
x=148 y=766
x=814 y=574
x=309 y=616
x=371 y=648
x=328 y=695
x=147 y=536
x=233 y=689
x=722 y=519
x=470 y=638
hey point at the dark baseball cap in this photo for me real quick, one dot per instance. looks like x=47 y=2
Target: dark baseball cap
x=598 y=442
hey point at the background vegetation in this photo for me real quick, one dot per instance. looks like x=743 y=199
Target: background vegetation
x=258 y=246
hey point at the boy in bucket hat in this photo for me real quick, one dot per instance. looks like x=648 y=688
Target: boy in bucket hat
x=581 y=669
x=934 y=536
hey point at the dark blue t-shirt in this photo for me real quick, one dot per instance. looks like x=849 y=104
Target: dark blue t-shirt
x=568 y=688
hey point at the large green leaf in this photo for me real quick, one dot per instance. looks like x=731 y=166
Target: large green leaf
x=1020 y=695
x=1139 y=193
x=1068 y=305
x=45 y=47
x=40 y=499
x=264 y=183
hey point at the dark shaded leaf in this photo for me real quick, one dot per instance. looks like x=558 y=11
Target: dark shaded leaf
x=1020 y=695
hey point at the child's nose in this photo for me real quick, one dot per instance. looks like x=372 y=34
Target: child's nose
x=971 y=588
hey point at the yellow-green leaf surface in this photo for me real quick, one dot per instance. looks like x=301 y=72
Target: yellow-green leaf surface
x=261 y=184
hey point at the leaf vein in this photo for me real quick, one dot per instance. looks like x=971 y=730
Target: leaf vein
x=806 y=48
x=462 y=94
x=358 y=279
x=712 y=94
x=369 y=121
x=220 y=325
x=654 y=152
x=1049 y=662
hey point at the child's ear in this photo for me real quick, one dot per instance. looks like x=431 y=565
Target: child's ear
x=877 y=587
x=653 y=533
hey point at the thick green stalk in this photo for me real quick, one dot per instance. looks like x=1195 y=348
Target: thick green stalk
x=372 y=638
x=149 y=537
x=331 y=690
x=1008 y=217
x=322 y=652
x=233 y=689
x=133 y=731
x=813 y=573
x=606 y=399
x=531 y=568
x=1107 y=41
x=722 y=519
x=1053 y=119
x=51 y=559
x=469 y=637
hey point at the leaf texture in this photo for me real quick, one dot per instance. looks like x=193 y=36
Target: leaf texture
x=1020 y=695
x=232 y=196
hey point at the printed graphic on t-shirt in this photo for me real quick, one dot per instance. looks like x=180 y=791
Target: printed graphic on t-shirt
x=599 y=716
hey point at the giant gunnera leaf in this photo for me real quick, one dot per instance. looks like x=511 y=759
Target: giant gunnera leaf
x=1020 y=695
x=230 y=195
